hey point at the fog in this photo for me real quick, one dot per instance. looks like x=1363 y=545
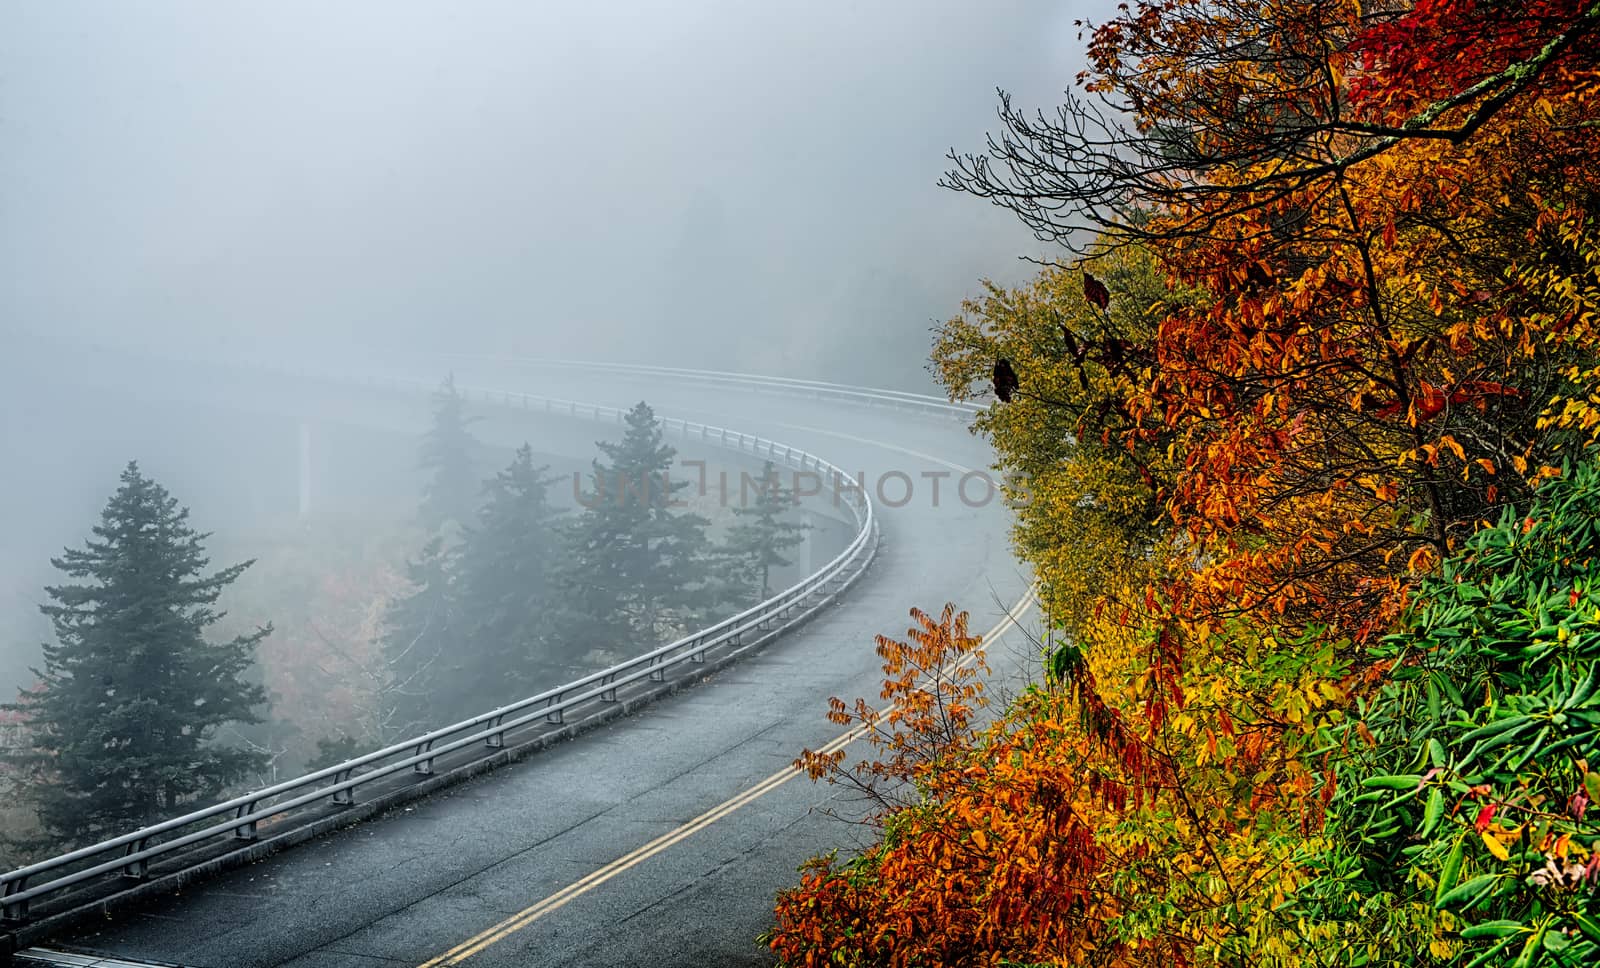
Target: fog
x=710 y=182
x=701 y=183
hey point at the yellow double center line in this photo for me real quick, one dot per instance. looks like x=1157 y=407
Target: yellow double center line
x=559 y=899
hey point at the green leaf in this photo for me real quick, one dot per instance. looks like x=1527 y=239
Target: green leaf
x=1581 y=691
x=1403 y=781
x=1432 y=812
x=1528 y=950
x=1586 y=925
x=1470 y=889
x=1492 y=929
x=1532 y=749
x=1450 y=871
x=1496 y=728
x=1499 y=946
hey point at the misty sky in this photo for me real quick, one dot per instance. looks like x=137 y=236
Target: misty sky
x=696 y=182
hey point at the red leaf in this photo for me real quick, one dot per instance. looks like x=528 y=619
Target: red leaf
x=1095 y=291
x=1484 y=816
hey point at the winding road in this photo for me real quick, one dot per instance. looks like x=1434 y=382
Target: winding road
x=659 y=839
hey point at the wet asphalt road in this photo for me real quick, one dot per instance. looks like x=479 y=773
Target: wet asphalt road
x=415 y=883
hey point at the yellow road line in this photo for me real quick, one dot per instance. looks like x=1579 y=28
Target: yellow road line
x=528 y=915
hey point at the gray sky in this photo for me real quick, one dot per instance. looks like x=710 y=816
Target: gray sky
x=698 y=181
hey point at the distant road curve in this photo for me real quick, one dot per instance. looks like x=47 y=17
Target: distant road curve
x=661 y=838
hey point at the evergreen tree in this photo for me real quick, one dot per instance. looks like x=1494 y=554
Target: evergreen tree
x=507 y=582
x=755 y=544
x=123 y=721
x=637 y=567
x=417 y=644
x=448 y=451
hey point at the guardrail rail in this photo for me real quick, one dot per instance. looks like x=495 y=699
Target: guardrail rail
x=896 y=399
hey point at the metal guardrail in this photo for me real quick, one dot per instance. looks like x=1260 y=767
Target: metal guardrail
x=239 y=818
x=899 y=399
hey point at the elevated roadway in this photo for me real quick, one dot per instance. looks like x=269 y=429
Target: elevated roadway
x=659 y=839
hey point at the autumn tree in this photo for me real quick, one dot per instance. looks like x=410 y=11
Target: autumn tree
x=1363 y=333
x=18 y=821
x=989 y=853
x=1196 y=112
x=1092 y=510
x=122 y=725
x=1338 y=311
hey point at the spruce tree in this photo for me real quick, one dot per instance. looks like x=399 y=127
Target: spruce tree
x=761 y=534
x=417 y=644
x=124 y=719
x=507 y=582
x=637 y=567
x=448 y=452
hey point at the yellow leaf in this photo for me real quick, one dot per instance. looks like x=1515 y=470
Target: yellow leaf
x=1495 y=847
x=981 y=840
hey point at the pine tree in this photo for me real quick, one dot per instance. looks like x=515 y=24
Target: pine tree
x=507 y=579
x=448 y=451
x=124 y=719
x=763 y=531
x=638 y=568
x=417 y=642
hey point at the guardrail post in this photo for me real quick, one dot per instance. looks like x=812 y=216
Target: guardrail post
x=657 y=673
x=610 y=695
x=347 y=796
x=14 y=910
x=553 y=717
x=136 y=869
x=425 y=768
x=494 y=738
x=246 y=830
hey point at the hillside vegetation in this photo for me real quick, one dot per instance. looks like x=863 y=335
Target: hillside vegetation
x=1308 y=431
